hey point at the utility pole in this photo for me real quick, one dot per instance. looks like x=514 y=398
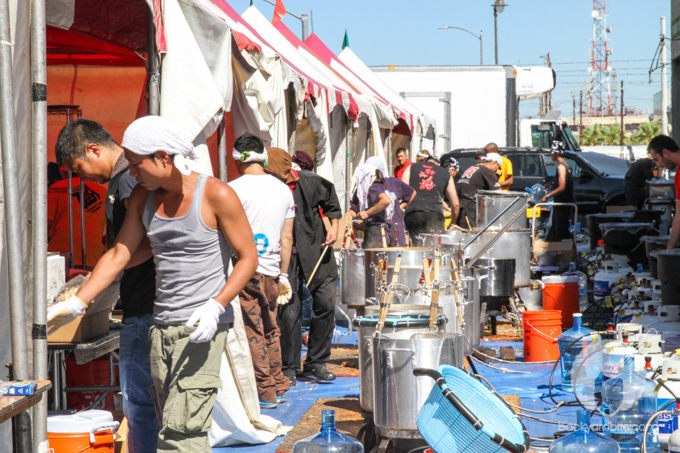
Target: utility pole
x=580 y=118
x=664 y=80
x=622 y=113
x=573 y=117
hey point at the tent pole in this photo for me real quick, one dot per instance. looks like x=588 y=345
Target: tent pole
x=389 y=152
x=153 y=83
x=14 y=235
x=39 y=215
x=348 y=164
x=222 y=149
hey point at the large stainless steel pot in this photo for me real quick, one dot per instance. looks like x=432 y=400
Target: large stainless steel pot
x=500 y=275
x=414 y=322
x=411 y=266
x=491 y=202
x=470 y=310
x=511 y=245
x=398 y=394
x=352 y=277
x=446 y=240
x=668 y=265
x=652 y=244
x=661 y=189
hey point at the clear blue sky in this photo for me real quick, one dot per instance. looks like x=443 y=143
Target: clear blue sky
x=403 y=32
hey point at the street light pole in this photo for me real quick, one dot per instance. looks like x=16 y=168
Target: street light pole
x=480 y=37
x=498 y=7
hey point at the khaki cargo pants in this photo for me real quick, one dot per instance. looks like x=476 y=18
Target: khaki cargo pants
x=186 y=379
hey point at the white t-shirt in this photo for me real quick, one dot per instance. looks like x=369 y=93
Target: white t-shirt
x=268 y=203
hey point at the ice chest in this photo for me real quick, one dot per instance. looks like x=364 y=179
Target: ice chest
x=84 y=432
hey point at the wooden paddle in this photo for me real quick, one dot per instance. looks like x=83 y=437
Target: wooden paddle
x=435 y=292
x=387 y=301
x=456 y=288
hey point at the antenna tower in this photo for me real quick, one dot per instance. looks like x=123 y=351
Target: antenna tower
x=600 y=71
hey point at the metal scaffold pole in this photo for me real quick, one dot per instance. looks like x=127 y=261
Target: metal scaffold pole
x=39 y=215
x=13 y=235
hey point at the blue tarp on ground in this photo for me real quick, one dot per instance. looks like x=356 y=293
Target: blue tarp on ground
x=531 y=385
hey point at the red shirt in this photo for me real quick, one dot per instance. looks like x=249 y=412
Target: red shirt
x=399 y=169
x=676 y=179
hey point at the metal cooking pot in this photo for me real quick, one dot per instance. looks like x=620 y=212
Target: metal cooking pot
x=491 y=202
x=661 y=188
x=653 y=243
x=352 y=277
x=511 y=245
x=446 y=240
x=500 y=275
x=398 y=394
x=668 y=264
x=470 y=310
x=365 y=325
x=411 y=266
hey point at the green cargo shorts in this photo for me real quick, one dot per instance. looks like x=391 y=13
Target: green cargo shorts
x=186 y=379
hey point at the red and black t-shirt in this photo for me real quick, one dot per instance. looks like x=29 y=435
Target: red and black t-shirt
x=429 y=181
x=474 y=179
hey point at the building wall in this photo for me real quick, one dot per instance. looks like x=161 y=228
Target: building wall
x=675 y=69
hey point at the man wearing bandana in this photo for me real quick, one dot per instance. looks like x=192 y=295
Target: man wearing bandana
x=193 y=223
x=271 y=212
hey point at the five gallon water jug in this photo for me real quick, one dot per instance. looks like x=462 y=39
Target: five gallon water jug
x=583 y=440
x=328 y=440
x=582 y=286
x=604 y=279
x=581 y=355
x=628 y=401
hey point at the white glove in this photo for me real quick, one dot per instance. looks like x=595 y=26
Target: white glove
x=66 y=311
x=207 y=316
x=285 y=291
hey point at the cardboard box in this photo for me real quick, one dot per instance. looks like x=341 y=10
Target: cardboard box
x=617 y=209
x=56 y=275
x=121 y=433
x=93 y=323
x=565 y=250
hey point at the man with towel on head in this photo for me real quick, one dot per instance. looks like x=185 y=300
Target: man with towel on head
x=313 y=262
x=193 y=223
x=271 y=211
x=478 y=177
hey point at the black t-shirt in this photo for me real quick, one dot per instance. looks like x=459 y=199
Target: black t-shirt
x=474 y=179
x=138 y=285
x=429 y=181
x=642 y=170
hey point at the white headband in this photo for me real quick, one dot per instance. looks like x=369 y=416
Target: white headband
x=251 y=156
x=422 y=154
x=152 y=133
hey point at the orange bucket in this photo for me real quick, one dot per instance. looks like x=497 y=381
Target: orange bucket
x=541 y=329
x=561 y=293
x=92 y=431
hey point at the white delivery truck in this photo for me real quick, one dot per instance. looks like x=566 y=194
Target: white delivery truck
x=475 y=105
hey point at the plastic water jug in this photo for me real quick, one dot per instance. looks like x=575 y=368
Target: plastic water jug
x=328 y=440
x=579 y=355
x=628 y=402
x=668 y=423
x=583 y=440
x=605 y=278
x=582 y=286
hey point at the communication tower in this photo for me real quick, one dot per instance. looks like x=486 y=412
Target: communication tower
x=598 y=84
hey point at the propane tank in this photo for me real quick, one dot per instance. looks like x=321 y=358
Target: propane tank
x=674 y=441
x=606 y=278
x=668 y=424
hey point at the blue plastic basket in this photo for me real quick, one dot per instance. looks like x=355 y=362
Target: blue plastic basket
x=463 y=415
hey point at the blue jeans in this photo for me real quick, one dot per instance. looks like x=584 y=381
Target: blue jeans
x=135 y=382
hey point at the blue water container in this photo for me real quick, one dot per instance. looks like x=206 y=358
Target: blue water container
x=328 y=440
x=628 y=402
x=583 y=352
x=583 y=440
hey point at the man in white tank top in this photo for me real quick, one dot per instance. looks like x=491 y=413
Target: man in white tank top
x=191 y=311
x=270 y=209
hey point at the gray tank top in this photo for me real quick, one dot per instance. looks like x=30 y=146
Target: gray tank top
x=192 y=261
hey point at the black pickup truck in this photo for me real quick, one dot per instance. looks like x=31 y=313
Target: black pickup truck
x=594 y=189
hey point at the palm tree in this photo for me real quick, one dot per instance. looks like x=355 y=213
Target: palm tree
x=611 y=134
x=592 y=135
x=646 y=132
